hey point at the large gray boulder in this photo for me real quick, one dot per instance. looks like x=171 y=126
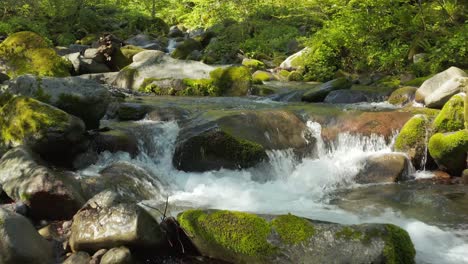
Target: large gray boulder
x=153 y=64
x=238 y=237
x=20 y=242
x=49 y=194
x=108 y=223
x=83 y=65
x=435 y=82
x=81 y=97
x=294 y=61
x=439 y=97
x=385 y=168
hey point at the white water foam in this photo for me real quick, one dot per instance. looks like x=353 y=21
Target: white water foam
x=286 y=185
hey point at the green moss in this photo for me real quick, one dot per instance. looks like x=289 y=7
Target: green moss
x=295 y=76
x=284 y=74
x=23 y=118
x=349 y=233
x=260 y=77
x=402 y=95
x=130 y=51
x=451 y=116
x=413 y=134
x=389 y=81
x=253 y=64
x=242 y=233
x=418 y=81
x=42 y=96
x=293 y=229
x=37 y=58
x=26 y=39
x=232 y=81
x=399 y=248
x=450 y=151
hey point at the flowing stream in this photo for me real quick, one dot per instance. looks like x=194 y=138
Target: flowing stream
x=307 y=188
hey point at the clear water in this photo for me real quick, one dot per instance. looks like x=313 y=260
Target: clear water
x=285 y=185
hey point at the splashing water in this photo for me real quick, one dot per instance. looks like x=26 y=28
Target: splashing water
x=285 y=184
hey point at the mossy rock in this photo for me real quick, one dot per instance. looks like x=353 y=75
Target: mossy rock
x=418 y=81
x=186 y=48
x=449 y=151
x=240 y=237
x=253 y=64
x=129 y=51
x=27 y=52
x=217 y=149
x=402 y=95
x=199 y=87
x=451 y=117
x=295 y=76
x=284 y=74
x=232 y=81
x=88 y=39
x=412 y=139
x=261 y=76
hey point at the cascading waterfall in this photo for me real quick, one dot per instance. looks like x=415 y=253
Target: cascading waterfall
x=284 y=185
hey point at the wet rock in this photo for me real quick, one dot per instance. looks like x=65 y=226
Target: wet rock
x=175 y=32
x=48 y=194
x=124 y=177
x=96 y=259
x=20 y=242
x=319 y=93
x=413 y=138
x=382 y=168
x=132 y=111
x=434 y=83
x=247 y=238
x=48 y=131
x=402 y=96
x=239 y=140
x=115 y=141
x=80 y=97
x=167 y=114
x=450 y=151
x=120 y=255
x=78 y=258
x=3 y=77
x=158 y=65
x=439 y=97
x=345 y=97
x=451 y=117
x=107 y=224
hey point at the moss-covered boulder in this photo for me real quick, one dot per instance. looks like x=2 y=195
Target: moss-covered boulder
x=239 y=139
x=319 y=93
x=131 y=111
x=253 y=64
x=262 y=76
x=239 y=237
x=450 y=150
x=184 y=49
x=451 y=117
x=50 y=132
x=295 y=76
x=86 y=99
x=402 y=96
x=129 y=51
x=214 y=150
x=412 y=140
x=232 y=81
x=26 y=52
x=49 y=194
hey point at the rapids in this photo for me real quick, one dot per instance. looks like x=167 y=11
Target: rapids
x=309 y=187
